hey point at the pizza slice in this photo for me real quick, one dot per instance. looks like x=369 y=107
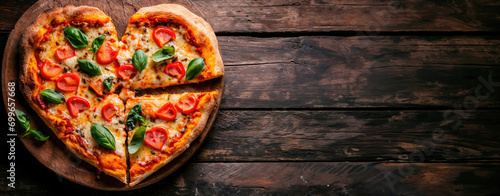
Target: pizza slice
x=167 y=45
x=161 y=127
x=67 y=74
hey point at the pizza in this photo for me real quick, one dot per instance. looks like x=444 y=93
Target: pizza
x=81 y=80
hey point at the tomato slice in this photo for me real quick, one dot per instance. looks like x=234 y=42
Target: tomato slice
x=187 y=103
x=162 y=35
x=77 y=104
x=175 y=70
x=127 y=71
x=98 y=87
x=68 y=82
x=109 y=111
x=167 y=112
x=65 y=52
x=50 y=70
x=156 y=137
x=106 y=54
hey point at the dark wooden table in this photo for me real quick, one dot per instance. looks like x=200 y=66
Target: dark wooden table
x=344 y=97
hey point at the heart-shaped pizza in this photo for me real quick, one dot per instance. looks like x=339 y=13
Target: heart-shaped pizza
x=81 y=80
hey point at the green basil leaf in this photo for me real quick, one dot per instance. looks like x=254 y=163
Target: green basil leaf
x=89 y=67
x=137 y=139
x=98 y=41
x=38 y=135
x=23 y=119
x=103 y=136
x=134 y=116
x=108 y=82
x=140 y=60
x=52 y=96
x=163 y=53
x=195 y=67
x=76 y=38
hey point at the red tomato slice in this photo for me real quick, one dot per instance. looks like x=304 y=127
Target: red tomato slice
x=127 y=71
x=65 y=52
x=109 y=111
x=68 y=82
x=98 y=87
x=175 y=70
x=167 y=112
x=50 y=70
x=187 y=103
x=156 y=137
x=162 y=35
x=106 y=54
x=77 y=104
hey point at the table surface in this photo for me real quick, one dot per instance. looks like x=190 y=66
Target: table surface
x=377 y=97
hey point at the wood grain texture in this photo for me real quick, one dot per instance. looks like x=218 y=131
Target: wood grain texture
x=301 y=178
x=396 y=136
x=364 y=17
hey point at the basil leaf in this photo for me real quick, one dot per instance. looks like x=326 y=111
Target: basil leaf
x=77 y=38
x=103 y=136
x=52 y=96
x=98 y=41
x=140 y=60
x=137 y=139
x=38 y=135
x=89 y=67
x=163 y=53
x=23 y=119
x=195 y=67
x=134 y=116
x=108 y=82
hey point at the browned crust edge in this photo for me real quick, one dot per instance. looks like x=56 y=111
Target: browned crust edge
x=197 y=130
x=27 y=77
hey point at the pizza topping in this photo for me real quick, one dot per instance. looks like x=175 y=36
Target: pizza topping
x=106 y=54
x=52 y=96
x=39 y=100
x=195 y=67
x=175 y=70
x=68 y=82
x=108 y=82
x=156 y=137
x=135 y=116
x=187 y=103
x=126 y=93
x=162 y=35
x=167 y=112
x=127 y=71
x=77 y=104
x=50 y=70
x=163 y=53
x=109 y=111
x=96 y=44
x=98 y=87
x=140 y=60
x=103 y=136
x=88 y=67
x=77 y=38
x=137 y=139
x=65 y=52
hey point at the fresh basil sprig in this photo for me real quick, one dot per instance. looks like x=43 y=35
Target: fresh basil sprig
x=52 y=96
x=137 y=139
x=89 y=67
x=135 y=116
x=139 y=60
x=108 y=82
x=195 y=67
x=98 y=41
x=103 y=136
x=76 y=38
x=163 y=53
x=24 y=120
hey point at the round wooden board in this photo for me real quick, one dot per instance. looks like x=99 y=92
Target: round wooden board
x=53 y=153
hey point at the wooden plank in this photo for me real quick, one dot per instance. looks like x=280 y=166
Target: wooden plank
x=302 y=178
x=400 y=136
x=363 y=17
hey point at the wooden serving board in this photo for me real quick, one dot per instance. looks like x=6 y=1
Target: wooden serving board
x=53 y=153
